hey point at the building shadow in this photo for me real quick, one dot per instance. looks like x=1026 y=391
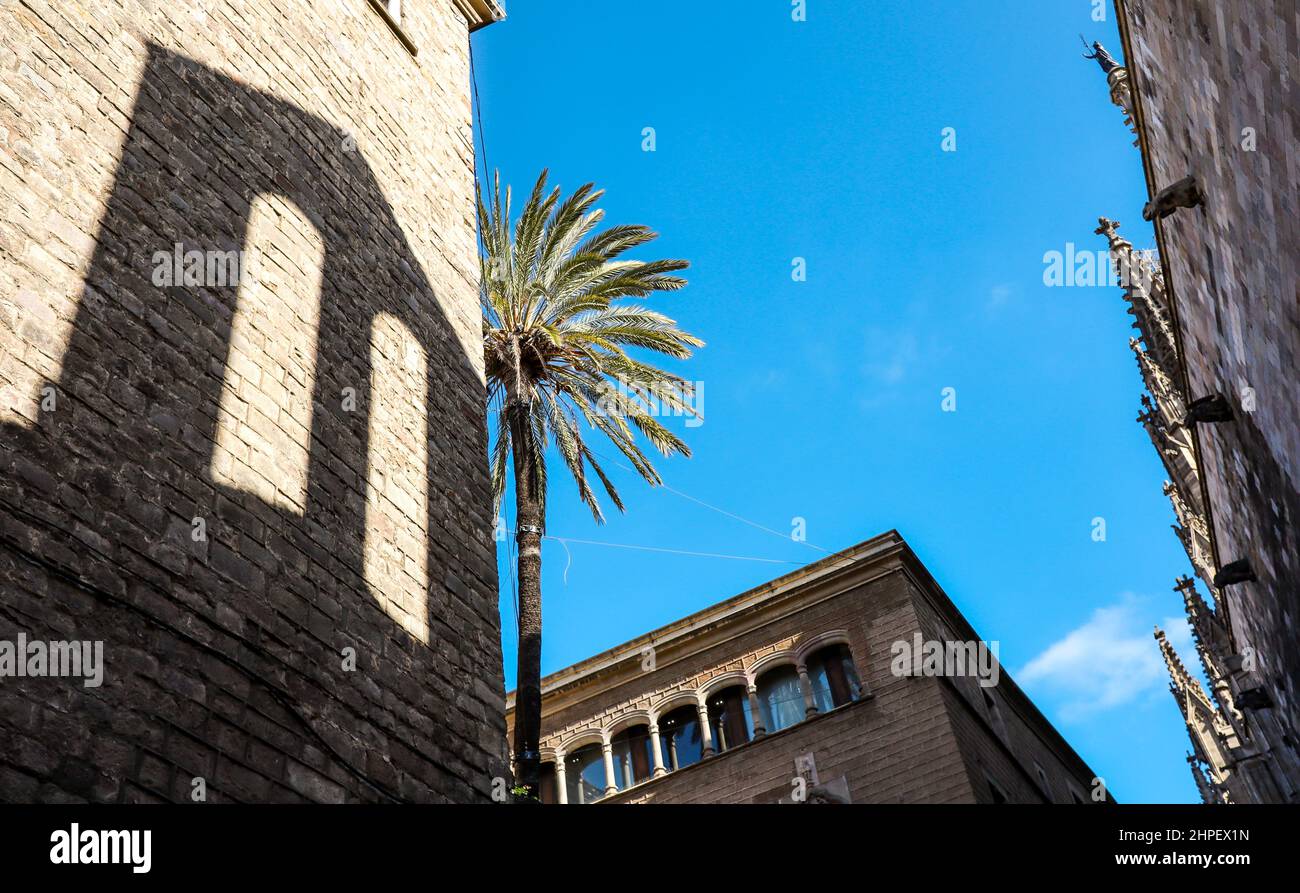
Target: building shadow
x=225 y=656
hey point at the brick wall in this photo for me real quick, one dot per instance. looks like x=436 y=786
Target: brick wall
x=1000 y=734
x=241 y=490
x=894 y=748
x=1206 y=72
x=913 y=739
x=689 y=666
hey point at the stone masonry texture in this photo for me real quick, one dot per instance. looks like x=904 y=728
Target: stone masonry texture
x=268 y=500
x=1220 y=90
x=910 y=739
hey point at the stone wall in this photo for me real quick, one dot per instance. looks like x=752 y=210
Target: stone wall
x=268 y=500
x=895 y=746
x=1002 y=738
x=910 y=739
x=1219 y=85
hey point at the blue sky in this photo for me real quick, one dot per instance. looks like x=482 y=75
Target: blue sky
x=822 y=140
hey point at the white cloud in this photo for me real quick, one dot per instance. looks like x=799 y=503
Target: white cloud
x=998 y=295
x=890 y=355
x=1110 y=661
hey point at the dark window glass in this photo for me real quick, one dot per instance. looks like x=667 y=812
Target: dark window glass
x=584 y=774
x=632 y=759
x=729 y=720
x=834 y=677
x=780 y=698
x=679 y=738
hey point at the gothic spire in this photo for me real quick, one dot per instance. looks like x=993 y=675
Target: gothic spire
x=1213 y=646
x=1210 y=792
x=1174 y=444
x=1213 y=736
x=1181 y=682
x=1167 y=394
x=1194 y=533
x=1144 y=290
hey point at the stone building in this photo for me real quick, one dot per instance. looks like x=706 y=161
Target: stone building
x=815 y=687
x=1212 y=91
x=242 y=429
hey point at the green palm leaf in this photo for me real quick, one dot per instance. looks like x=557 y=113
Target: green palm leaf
x=555 y=354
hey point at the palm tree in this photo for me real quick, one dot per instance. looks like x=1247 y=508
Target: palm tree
x=556 y=355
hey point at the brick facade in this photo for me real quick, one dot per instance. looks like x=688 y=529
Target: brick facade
x=1205 y=73
x=242 y=490
x=905 y=739
x=1211 y=90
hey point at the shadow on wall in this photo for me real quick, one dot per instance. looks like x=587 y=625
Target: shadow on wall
x=224 y=657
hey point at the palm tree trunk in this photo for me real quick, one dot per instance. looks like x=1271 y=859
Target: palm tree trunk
x=528 y=673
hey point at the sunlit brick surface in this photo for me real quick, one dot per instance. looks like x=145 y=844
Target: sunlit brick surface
x=196 y=493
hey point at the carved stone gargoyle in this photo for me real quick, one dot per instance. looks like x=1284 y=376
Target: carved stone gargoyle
x=1254 y=699
x=823 y=794
x=1238 y=571
x=1183 y=194
x=1210 y=408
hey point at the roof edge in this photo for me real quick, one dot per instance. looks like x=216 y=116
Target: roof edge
x=876 y=547
x=481 y=13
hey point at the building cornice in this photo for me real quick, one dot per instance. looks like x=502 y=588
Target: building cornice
x=807 y=583
x=481 y=13
x=1014 y=697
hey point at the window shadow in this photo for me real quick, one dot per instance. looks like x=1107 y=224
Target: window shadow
x=224 y=658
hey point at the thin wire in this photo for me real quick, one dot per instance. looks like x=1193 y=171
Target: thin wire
x=843 y=562
x=478 y=117
x=742 y=519
x=569 y=563
x=562 y=539
x=482 y=139
x=720 y=511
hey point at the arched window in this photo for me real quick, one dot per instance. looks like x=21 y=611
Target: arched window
x=632 y=756
x=547 y=791
x=834 y=677
x=679 y=738
x=780 y=698
x=584 y=774
x=729 y=719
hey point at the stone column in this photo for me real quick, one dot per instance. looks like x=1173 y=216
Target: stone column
x=656 y=753
x=706 y=734
x=755 y=713
x=561 y=786
x=805 y=685
x=611 y=785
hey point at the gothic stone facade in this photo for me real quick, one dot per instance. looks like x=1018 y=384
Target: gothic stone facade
x=1212 y=90
x=615 y=724
x=263 y=489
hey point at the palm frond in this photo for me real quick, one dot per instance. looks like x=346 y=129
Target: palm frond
x=556 y=344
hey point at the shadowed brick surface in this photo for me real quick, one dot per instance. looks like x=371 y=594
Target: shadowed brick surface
x=1206 y=72
x=309 y=133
